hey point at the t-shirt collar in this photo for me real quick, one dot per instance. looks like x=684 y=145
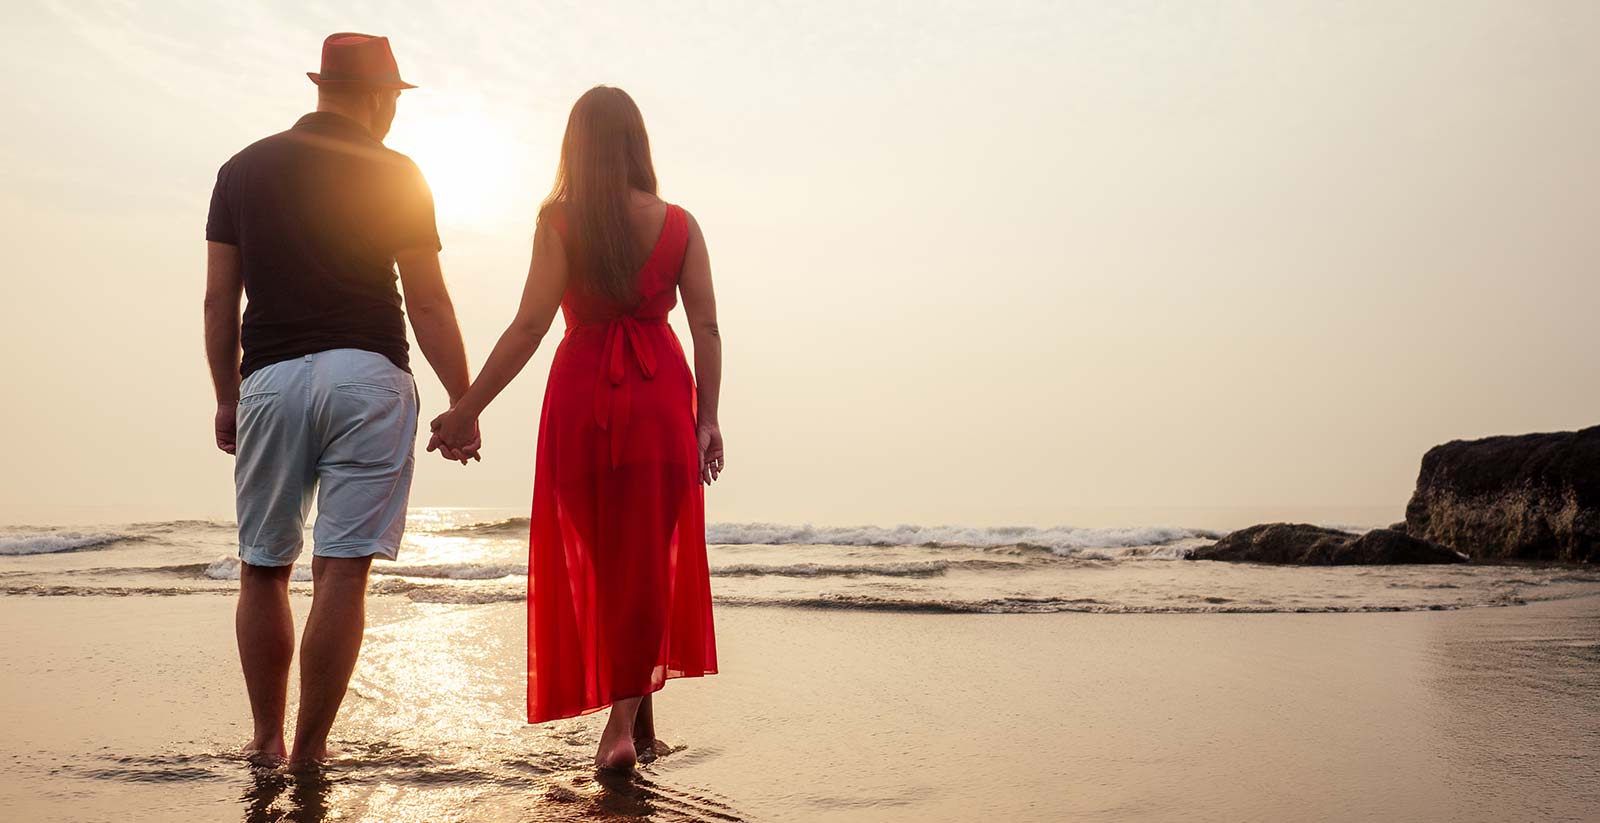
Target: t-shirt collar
x=333 y=123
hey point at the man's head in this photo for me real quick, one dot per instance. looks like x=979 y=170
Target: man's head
x=371 y=107
x=359 y=79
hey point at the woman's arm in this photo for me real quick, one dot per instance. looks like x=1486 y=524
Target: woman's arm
x=541 y=296
x=700 y=304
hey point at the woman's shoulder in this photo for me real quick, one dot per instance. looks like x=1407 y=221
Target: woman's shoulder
x=553 y=210
x=691 y=226
x=553 y=215
x=688 y=218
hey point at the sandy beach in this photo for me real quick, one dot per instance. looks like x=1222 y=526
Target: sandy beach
x=130 y=708
x=1134 y=413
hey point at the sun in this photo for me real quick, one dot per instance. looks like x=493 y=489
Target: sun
x=471 y=161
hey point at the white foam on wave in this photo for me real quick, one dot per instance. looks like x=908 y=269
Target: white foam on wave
x=927 y=568
x=448 y=593
x=227 y=568
x=454 y=571
x=54 y=543
x=1061 y=540
x=1158 y=552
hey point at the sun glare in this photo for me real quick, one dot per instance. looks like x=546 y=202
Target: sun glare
x=473 y=165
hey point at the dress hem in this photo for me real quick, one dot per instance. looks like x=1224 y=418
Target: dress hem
x=592 y=709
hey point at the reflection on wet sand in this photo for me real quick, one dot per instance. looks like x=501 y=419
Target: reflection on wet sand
x=1516 y=693
x=375 y=789
x=307 y=796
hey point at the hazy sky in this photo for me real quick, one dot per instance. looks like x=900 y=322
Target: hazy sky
x=976 y=263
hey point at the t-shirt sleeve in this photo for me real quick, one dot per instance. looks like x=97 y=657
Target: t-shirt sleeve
x=411 y=224
x=220 y=225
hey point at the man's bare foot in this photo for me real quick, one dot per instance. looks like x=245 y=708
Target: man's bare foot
x=617 y=755
x=270 y=753
x=302 y=761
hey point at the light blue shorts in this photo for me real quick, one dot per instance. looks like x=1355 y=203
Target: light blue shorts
x=340 y=425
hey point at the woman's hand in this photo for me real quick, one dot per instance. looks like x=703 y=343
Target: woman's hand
x=709 y=436
x=456 y=436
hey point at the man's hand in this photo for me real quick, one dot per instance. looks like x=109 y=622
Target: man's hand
x=227 y=426
x=456 y=437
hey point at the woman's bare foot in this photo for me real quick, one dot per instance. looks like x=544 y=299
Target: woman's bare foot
x=645 y=744
x=616 y=752
x=617 y=755
x=647 y=749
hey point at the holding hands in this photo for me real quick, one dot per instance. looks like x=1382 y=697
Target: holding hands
x=456 y=436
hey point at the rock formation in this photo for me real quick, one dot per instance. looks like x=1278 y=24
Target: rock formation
x=1522 y=497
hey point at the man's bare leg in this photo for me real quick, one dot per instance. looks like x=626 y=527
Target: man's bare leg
x=328 y=650
x=264 y=627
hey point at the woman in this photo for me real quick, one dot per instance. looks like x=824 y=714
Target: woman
x=619 y=598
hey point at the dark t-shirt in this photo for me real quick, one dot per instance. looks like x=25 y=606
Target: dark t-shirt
x=318 y=213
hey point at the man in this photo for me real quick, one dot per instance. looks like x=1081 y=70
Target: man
x=310 y=224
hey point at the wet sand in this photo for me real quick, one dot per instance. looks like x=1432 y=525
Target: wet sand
x=129 y=708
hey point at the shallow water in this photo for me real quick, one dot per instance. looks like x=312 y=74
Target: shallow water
x=862 y=682
x=129 y=708
x=459 y=556
x=140 y=720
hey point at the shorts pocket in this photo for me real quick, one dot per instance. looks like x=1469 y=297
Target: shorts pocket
x=368 y=389
x=256 y=397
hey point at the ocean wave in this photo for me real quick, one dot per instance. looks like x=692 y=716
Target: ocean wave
x=227 y=568
x=57 y=542
x=490 y=593
x=448 y=592
x=929 y=568
x=68 y=590
x=915 y=568
x=1087 y=605
x=1060 y=540
x=454 y=571
x=458 y=595
x=509 y=526
x=1166 y=552
x=166 y=526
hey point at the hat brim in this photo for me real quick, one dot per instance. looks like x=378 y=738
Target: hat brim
x=369 y=82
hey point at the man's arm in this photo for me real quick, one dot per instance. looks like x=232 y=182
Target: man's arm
x=433 y=319
x=224 y=290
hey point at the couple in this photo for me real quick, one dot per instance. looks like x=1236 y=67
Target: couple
x=315 y=396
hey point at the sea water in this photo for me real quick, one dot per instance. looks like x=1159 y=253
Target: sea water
x=470 y=556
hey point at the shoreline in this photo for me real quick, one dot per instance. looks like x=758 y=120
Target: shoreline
x=124 y=707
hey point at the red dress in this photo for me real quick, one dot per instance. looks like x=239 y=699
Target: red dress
x=619 y=598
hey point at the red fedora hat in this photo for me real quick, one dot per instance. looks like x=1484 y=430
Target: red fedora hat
x=358 y=60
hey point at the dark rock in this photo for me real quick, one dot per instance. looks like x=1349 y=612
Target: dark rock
x=1301 y=544
x=1522 y=497
x=1398 y=527
x=1275 y=543
x=1384 y=546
